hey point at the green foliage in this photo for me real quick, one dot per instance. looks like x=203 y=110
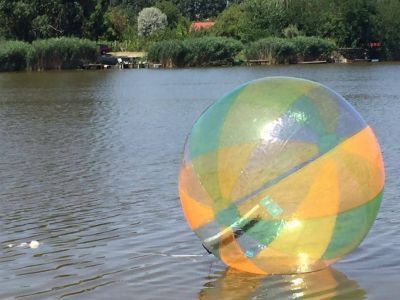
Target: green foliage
x=62 y=53
x=192 y=9
x=358 y=21
x=134 y=6
x=41 y=27
x=291 y=31
x=116 y=23
x=313 y=48
x=54 y=53
x=13 y=55
x=169 y=53
x=15 y=18
x=349 y=23
x=227 y=23
x=201 y=9
x=177 y=24
x=262 y=19
x=182 y=28
x=211 y=51
x=389 y=25
x=193 y=52
x=94 y=26
x=284 y=50
x=32 y=19
x=151 y=20
x=171 y=11
x=275 y=50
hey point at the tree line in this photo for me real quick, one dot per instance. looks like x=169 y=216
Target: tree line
x=350 y=23
x=28 y=20
x=137 y=24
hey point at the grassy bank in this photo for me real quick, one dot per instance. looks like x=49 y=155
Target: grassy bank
x=70 y=53
x=49 y=54
x=290 y=50
x=14 y=55
x=194 y=52
x=206 y=51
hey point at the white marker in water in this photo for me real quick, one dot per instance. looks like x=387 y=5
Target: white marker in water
x=34 y=244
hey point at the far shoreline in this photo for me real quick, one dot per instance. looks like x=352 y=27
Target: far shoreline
x=259 y=67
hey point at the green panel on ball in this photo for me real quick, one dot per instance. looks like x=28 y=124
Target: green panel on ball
x=351 y=228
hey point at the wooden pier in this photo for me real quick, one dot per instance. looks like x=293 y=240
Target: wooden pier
x=313 y=62
x=93 y=66
x=252 y=62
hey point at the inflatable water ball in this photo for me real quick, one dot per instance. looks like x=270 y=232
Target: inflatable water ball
x=281 y=176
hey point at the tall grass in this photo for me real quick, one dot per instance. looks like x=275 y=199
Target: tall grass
x=168 y=53
x=55 y=53
x=274 y=50
x=192 y=52
x=313 y=48
x=62 y=53
x=290 y=50
x=211 y=51
x=13 y=55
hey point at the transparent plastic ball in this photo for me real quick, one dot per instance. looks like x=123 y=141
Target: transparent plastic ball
x=281 y=176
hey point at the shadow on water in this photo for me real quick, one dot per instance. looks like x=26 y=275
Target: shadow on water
x=325 y=284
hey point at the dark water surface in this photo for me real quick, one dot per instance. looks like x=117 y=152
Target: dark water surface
x=88 y=167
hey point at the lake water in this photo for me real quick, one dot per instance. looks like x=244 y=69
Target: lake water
x=89 y=164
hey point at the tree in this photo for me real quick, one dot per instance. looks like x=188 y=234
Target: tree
x=94 y=26
x=41 y=27
x=263 y=18
x=227 y=23
x=358 y=19
x=116 y=23
x=16 y=19
x=151 y=20
x=31 y=19
x=200 y=9
x=135 y=6
x=350 y=22
x=171 y=11
x=389 y=24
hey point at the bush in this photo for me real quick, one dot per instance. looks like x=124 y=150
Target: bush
x=211 y=51
x=313 y=48
x=62 y=53
x=193 y=52
x=13 y=55
x=228 y=22
x=55 y=53
x=151 y=20
x=275 y=50
x=281 y=50
x=169 y=53
x=291 y=31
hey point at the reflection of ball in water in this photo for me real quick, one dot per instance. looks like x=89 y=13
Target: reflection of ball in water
x=281 y=175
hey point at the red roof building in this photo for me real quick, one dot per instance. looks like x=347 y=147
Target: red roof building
x=196 y=26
